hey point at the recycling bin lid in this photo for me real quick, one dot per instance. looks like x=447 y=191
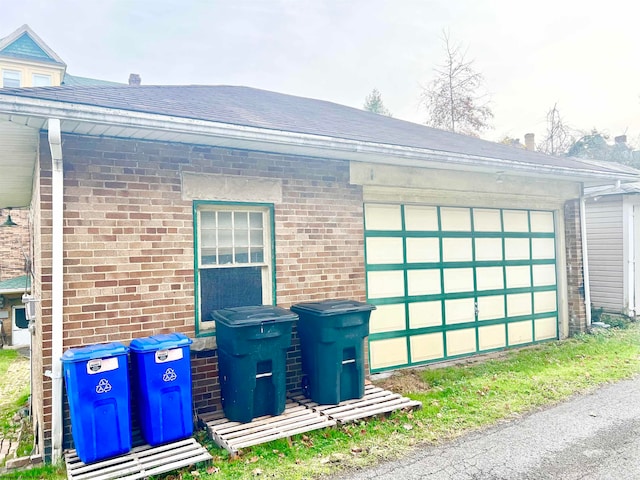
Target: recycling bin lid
x=90 y=352
x=165 y=341
x=332 y=307
x=253 y=315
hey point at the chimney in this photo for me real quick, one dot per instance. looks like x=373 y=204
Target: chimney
x=134 y=79
x=529 y=141
x=622 y=139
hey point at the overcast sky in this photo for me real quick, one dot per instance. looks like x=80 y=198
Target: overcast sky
x=584 y=55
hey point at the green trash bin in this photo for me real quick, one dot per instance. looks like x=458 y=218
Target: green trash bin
x=252 y=356
x=332 y=335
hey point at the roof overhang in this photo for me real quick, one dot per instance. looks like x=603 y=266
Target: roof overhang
x=22 y=118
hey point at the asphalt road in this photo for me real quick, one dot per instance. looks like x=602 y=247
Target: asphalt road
x=590 y=437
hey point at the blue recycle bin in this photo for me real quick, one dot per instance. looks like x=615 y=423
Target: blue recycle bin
x=161 y=369
x=97 y=382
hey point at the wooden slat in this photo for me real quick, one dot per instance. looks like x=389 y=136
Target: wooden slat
x=296 y=419
x=140 y=462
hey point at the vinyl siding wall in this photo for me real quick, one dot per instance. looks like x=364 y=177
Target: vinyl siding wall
x=605 y=246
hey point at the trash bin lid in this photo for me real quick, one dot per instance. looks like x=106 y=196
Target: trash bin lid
x=332 y=307
x=254 y=315
x=100 y=350
x=165 y=341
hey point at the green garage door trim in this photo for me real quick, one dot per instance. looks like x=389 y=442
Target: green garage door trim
x=401 y=234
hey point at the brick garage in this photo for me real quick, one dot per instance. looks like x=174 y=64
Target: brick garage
x=149 y=172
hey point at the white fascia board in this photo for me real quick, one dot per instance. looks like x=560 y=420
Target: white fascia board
x=304 y=144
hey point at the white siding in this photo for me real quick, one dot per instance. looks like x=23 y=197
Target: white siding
x=605 y=252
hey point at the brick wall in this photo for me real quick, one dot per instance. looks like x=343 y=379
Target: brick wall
x=575 y=274
x=128 y=243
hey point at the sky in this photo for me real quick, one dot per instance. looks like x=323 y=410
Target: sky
x=583 y=56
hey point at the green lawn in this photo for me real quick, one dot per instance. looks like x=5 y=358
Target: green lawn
x=456 y=400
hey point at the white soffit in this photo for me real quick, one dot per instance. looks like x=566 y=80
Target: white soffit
x=18 y=152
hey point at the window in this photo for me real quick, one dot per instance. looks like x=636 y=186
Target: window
x=234 y=258
x=40 y=80
x=11 y=78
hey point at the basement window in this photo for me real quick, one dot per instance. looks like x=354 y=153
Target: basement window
x=234 y=258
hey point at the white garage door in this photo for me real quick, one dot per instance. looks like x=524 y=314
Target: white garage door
x=451 y=281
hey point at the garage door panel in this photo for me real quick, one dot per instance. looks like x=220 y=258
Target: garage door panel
x=459 y=311
x=427 y=347
x=518 y=276
x=486 y=220
x=516 y=249
x=423 y=250
x=488 y=249
x=423 y=282
x=425 y=314
x=384 y=250
x=388 y=353
x=518 y=304
x=491 y=308
x=515 y=220
x=544 y=275
x=456 y=250
x=385 y=284
x=418 y=218
x=546 y=328
x=542 y=222
x=458 y=280
x=544 y=302
x=489 y=278
x=492 y=336
x=387 y=318
x=455 y=219
x=383 y=217
x=543 y=248
x=460 y=342
x=520 y=332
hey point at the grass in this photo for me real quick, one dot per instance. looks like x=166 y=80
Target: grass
x=456 y=400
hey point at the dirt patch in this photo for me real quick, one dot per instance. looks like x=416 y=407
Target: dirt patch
x=403 y=382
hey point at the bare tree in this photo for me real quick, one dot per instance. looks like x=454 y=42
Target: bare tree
x=373 y=103
x=454 y=98
x=558 y=137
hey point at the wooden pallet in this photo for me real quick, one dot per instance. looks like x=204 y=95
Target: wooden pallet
x=232 y=436
x=375 y=401
x=140 y=462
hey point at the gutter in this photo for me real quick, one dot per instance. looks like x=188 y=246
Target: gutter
x=57 y=287
x=283 y=141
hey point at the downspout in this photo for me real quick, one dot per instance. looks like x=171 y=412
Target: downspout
x=57 y=288
x=585 y=258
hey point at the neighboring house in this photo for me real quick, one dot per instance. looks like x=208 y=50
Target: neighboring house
x=26 y=61
x=613 y=245
x=12 y=313
x=15 y=255
x=153 y=206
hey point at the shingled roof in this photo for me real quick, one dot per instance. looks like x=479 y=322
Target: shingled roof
x=244 y=106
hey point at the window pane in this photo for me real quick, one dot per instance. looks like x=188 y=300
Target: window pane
x=11 y=78
x=224 y=238
x=255 y=220
x=224 y=220
x=257 y=255
x=240 y=220
x=242 y=255
x=208 y=238
x=225 y=256
x=256 y=238
x=208 y=219
x=229 y=287
x=241 y=238
x=208 y=256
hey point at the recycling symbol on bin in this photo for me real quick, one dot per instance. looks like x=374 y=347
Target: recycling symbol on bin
x=169 y=375
x=103 y=386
